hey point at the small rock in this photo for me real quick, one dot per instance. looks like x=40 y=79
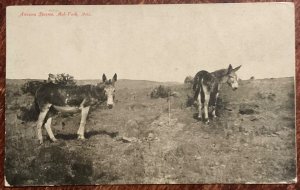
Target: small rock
x=241 y=129
x=253 y=118
x=150 y=136
x=129 y=139
x=161 y=124
x=248 y=108
x=175 y=94
x=246 y=111
x=206 y=137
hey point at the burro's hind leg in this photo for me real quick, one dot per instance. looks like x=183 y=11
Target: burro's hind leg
x=206 y=93
x=41 y=120
x=199 y=105
x=49 y=130
x=84 y=114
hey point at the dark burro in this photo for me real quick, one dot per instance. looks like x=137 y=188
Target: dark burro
x=207 y=85
x=52 y=98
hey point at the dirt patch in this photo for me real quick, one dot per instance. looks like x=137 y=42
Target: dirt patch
x=248 y=109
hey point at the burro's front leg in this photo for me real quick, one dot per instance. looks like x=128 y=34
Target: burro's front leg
x=213 y=113
x=84 y=114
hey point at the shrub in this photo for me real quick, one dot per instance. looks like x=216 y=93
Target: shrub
x=31 y=87
x=189 y=80
x=160 y=92
x=190 y=102
x=62 y=79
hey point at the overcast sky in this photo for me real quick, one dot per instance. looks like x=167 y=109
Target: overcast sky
x=151 y=42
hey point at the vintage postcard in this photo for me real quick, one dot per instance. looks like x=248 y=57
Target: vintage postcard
x=150 y=94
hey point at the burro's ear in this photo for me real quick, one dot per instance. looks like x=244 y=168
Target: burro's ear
x=115 y=77
x=104 y=78
x=237 y=68
x=229 y=68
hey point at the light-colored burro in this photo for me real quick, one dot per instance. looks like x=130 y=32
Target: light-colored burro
x=52 y=98
x=207 y=85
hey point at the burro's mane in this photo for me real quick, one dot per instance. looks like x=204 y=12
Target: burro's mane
x=219 y=74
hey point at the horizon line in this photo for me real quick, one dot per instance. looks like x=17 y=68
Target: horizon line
x=146 y=79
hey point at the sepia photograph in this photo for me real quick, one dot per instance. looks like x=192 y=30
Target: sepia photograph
x=150 y=94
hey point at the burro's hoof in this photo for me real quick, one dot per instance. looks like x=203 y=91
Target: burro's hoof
x=54 y=139
x=80 y=137
x=206 y=121
x=41 y=142
x=199 y=116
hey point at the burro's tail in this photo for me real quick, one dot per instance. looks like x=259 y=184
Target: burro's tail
x=197 y=85
x=196 y=82
x=29 y=113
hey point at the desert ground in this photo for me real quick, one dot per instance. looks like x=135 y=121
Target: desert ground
x=159 y=141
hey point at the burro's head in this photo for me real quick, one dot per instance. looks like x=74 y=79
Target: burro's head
x=109 y=90
x=232 y=79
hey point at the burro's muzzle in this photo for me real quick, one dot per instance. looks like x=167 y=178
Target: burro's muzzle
x=235 y=86
x=109 y=90
x=232 y=77
x=110 y=102
x=233 y=82
x=110 y=94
